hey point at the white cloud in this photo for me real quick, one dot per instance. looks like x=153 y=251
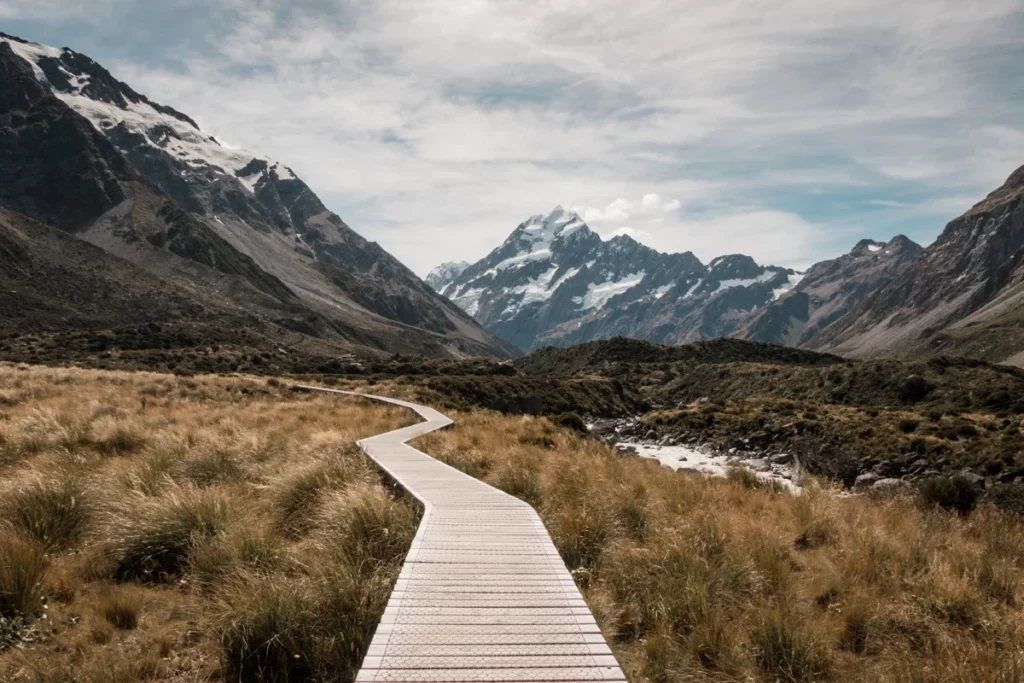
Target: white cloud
x=724 y=129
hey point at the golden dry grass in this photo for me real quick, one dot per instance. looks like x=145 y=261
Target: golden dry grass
x=701 y=579
x=188 y=529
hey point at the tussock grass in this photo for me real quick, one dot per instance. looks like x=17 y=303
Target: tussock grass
x=188 y=529
x=23 y=566
x=55 y=512
x=301 y=493
x=121 y=608
x=153 y=538
x=700 y=579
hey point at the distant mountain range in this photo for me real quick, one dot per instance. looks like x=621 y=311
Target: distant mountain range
x=153 y=203
x=554 y=282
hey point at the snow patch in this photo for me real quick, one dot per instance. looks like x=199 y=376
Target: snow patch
x=661 y=291
x=598 y=294
x=794 y=280
x=469 y=301
x=745 y=282
x=874 y=247
x=176 y=137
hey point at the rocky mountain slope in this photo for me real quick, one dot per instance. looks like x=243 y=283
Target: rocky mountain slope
x=963 y=296
x=85 y=153
x=828 y=291
x=556 y=282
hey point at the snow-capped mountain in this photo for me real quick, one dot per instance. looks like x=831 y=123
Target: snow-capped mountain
x=86 y=153
x=556 y=282
x=445 y=273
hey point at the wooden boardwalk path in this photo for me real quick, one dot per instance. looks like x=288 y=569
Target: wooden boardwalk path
x=483 y=594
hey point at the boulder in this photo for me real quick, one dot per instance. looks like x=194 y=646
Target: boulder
x=866 y=480
x=888 y=468
x=782 y=459
x=888 y=484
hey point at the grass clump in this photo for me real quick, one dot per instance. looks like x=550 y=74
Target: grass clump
x=55 y=512
x=23 y=564
x=153 y=543
x=300 y=494
x=121 y=609
x=522 y=481
x=366 y=526
x=786 y=653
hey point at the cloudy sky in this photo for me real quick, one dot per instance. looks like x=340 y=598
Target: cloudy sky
x=783 y=129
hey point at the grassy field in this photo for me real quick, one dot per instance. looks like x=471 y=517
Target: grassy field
x=720 y=580
x=188 y=529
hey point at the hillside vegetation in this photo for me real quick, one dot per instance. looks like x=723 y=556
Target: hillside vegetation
x=172 y=529
x=696 y=579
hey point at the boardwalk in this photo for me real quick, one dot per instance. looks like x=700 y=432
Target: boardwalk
x=483 y=594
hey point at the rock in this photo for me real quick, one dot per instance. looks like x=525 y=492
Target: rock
x=1008 y=476
x=665 y=440
x=651 y=435
x=732 y=451
x=782 y=459
x=887 y=468
x=797 y=427
x=758 y=465
x=976 y=479
x=758 y=439
x=866 y=480
x=887 y=484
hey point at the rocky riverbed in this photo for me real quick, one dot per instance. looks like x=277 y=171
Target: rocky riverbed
x=766 y=457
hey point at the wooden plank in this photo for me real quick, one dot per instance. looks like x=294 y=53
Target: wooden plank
x=483 y=594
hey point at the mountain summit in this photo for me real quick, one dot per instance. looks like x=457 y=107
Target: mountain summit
x=85 y=153
x=555 y=281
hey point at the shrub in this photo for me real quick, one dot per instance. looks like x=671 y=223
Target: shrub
x=956 y=494
x=54 y=513
x=914 y=388
x=153 y=543
x=908 y=425
x=571 y=421
x=22 y=569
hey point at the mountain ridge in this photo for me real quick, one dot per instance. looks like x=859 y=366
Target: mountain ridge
x=86 y=153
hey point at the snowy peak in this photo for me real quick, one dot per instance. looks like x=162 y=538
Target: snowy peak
x=443 y=275
x=130 y=119
x=553 y=280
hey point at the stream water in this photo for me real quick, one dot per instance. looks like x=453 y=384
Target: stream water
x=683 y=459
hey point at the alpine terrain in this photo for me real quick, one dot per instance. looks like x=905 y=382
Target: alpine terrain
x=171 y=226
x=556 y=282
x=964 y=296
